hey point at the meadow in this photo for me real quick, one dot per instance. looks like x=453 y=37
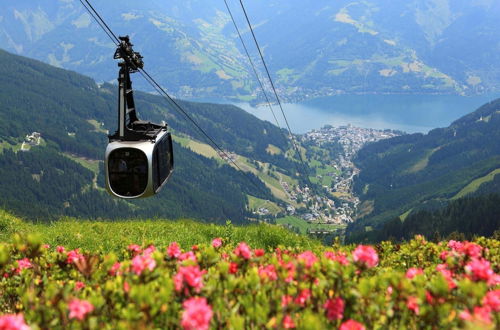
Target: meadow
x=164 y=275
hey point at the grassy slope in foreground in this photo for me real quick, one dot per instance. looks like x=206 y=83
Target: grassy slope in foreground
x=113 y=236
x=235 y=286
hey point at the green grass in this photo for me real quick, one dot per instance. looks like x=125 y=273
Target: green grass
x=256 y=203
x=114 y=236
x=304 y=225
x=474 y=185
x=90 y=164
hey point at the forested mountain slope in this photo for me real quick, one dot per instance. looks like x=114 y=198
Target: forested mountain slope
x=72 y=114
x=417 y=171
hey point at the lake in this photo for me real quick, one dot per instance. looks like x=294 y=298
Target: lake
x=409 y=113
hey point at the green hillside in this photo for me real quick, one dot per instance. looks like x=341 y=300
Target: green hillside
x=113 y=236
x=413 y=172
x=63 y=175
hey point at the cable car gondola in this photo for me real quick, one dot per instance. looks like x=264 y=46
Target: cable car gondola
x=139 y=156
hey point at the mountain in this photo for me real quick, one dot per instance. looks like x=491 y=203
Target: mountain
x=425 y=172
x=312 y=48
x=62 y=173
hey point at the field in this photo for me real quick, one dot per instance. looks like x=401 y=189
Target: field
x=165 y=275
x=304 y=226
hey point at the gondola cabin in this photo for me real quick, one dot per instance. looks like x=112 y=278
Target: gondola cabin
x=139 y=157
x=137 y=169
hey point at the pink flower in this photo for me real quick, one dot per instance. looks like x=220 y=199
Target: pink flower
x=479 y=269
x=79 y=285
x=13 y=322
x=60 y=249
x=126 y=287
x=243 y=251
x=187 y=256
x=334 y=308
x=412 y=272
x=194 y=247
x=190 y=275
x=115 y=269
x=258 y=252
x=78 y=309
x=134 y=248
x=142 y=262
x=217 y=242
x=365 y=255
x=46 y=246
x=308 y=258
x=412 y=304
x=288 y=322
x=492 y=300
x=233 y=268
x=339 y=257
x=351 y=325
x=286 y=300
x=303 y=297
x=455 y=245
x=197 y=314
x=173 y=250
x=23 y=264
x=447 y=274
x=74 y=256
x=472 y=250
x=149 y=250
x=268 y=272
x=290 y=267
x=481 y=314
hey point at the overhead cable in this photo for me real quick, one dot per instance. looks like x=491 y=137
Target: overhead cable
x=162 y=92
x=275 y=92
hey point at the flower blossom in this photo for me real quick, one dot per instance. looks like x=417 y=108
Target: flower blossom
x=268 y=272
x=79 y=285
x=492 y=300
x=189 y=255
x=173 y=250
x=78 y=309
x=197 y=314
x=447 y=274
x=142 y=262
x=303 y=297
x=115 y=269
x=351 y=325
x=13 y=322
x=74 y=256
x=479 y=269
x=334 y=308
x=308 y=258
x=339 y=257
x=288 y=322
x=217 y=242
x=233 y=268
x=412 y=304
x=134 y=248
x=243 y=251
x=60 y=249
x=190 y=275
x=23 y=264
x=481 y=315
x=412 y=272
x=365 y=255
x=286 y=300
x=258 y=252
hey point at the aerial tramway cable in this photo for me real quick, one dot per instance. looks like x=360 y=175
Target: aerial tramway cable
x=95 y=15
x=304 y=167
x=252 y=64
